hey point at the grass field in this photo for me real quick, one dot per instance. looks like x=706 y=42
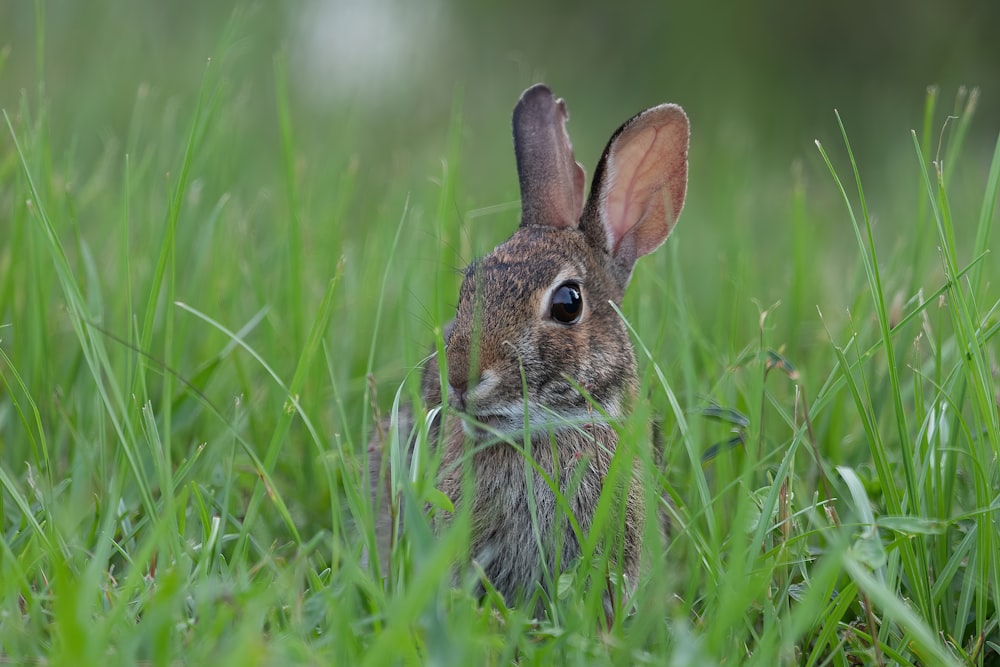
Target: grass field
x=210 y=284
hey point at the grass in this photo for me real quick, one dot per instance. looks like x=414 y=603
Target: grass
x=197 y=329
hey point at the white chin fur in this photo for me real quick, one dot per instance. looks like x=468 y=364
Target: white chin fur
x=509 y=419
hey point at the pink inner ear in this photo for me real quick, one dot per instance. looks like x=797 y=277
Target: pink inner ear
x=646 y=182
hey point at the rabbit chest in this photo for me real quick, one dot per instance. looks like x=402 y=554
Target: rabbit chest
x=530 y=516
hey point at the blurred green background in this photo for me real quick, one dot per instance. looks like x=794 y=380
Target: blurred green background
x=373 y=85
x=229 y=155
x=386 y=99
x=765 y=73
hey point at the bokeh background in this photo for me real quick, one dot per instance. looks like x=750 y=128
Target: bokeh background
x=249 y=148
x=388 y=98
x=375 y=83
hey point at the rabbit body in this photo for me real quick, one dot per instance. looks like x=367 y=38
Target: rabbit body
x=536 y=341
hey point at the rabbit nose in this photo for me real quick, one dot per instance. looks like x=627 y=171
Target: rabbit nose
x=458 y=398
x=459 y=392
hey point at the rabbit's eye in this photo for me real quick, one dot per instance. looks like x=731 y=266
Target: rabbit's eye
x=567 y=304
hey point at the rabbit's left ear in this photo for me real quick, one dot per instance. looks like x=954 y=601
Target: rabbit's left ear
x=552 y=181
x=639 y=186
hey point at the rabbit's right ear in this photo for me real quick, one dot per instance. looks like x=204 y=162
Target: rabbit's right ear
x=552 y=181
x=639 y=187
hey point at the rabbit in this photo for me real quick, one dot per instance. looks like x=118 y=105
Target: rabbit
x=536 y=313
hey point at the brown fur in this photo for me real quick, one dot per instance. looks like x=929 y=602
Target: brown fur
x=503 y=329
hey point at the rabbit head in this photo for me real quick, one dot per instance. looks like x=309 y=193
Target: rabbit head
x=535 y=332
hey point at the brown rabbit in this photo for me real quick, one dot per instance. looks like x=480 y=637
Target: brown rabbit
x=536 y=313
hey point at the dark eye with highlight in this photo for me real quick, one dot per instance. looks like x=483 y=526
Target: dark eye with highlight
x=567 y=303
